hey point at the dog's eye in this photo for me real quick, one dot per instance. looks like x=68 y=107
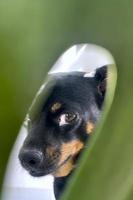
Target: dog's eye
x=70 y=117
x=66 y=118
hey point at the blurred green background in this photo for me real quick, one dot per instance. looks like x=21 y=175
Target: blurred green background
x=32 y=36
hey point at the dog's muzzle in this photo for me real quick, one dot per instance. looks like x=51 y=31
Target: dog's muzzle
x=36 y=163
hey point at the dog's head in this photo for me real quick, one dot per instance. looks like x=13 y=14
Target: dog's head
x=66 y=120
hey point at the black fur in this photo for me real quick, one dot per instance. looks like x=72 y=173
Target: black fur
x=80 y=97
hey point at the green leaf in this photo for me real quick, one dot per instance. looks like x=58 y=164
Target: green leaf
x=94 y=163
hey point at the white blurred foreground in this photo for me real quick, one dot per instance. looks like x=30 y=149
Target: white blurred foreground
x=19 y=185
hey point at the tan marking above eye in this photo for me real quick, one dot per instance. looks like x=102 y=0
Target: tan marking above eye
x=89 y=127
x=56 y=106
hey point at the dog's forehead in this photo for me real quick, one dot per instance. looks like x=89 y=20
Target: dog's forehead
x=68 y=91
x=74 y=93
x=64 y=91
x=71 y=86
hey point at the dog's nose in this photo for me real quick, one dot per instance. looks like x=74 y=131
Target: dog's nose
x=31 y=159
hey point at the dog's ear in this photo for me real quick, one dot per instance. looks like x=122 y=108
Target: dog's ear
x=101 y=80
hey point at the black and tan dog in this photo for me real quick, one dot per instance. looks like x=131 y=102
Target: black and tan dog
x=66 y=120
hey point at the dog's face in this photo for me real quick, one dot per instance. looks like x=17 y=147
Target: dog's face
x=66 y=120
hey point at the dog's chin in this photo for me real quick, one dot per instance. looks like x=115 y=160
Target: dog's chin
x=40 y=173
x=36 y=174
x=48 y=171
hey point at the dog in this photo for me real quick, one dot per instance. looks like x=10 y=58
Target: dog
x=58 y=134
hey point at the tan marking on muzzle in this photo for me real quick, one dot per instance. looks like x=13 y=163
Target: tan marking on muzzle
x=89 y=127
x=65 y=169
x=68 y=149
x=50 y=151
x=56 y=106
x=71 y=148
